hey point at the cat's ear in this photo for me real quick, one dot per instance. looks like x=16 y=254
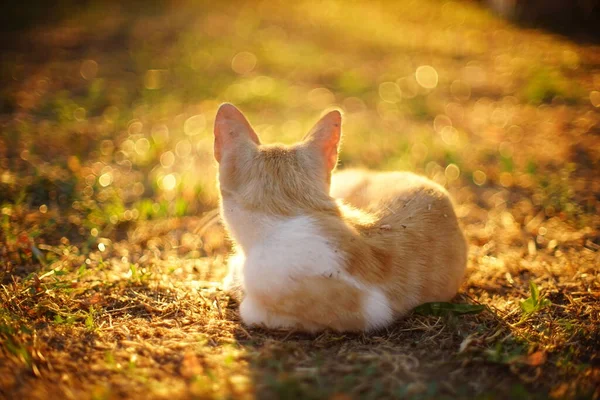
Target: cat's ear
x=324 y=138
x=231 y=129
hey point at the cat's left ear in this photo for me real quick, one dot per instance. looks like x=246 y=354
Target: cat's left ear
x=232 y=130
x=325 y=136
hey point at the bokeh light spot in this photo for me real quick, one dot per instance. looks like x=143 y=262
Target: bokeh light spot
x=506 y=179
x=160 y=133
x=135 y=127
x=183 y=148
x=479 y=177
x=194 y=125
x=142 y=146
x=440 y=122
x=167 y=159
x=461 y=90
x=595 y=98
x=452 y=172
x=138 y=188
x=169 y=182
x=354 y=105
x=79 y=114
x=107 y=147
x=105 y=179
x=449 y=135
x=243 y=63
x=427 y=76
x=499 y=118
x=409 y=88
x=515 y=133
x=320 y=98
x=89 y=69
x=390 y=92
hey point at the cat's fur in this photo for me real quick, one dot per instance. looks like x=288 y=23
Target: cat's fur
x=309 y=262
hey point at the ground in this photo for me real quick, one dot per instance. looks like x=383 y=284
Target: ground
x=111 y=256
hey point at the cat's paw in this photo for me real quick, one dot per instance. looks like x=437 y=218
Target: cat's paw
x=255 y=314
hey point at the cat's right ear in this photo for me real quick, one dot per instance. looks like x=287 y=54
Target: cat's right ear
x=231 y=129
x=324 y=138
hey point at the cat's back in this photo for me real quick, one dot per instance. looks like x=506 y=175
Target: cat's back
x=416 y=234
x=388 y=192
x=411 y=213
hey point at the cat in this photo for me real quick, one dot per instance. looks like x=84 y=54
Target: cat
x=306 y=260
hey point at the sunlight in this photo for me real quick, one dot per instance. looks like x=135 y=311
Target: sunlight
x=113 y=253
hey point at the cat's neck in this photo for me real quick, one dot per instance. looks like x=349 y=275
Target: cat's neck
x=250 y=227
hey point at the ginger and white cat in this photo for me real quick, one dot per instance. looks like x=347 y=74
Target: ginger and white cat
x=307 y=261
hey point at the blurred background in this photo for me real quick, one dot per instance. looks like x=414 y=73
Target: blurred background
x=106 y=109
x=110 y=247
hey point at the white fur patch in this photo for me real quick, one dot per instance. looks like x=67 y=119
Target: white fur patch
x=246 y=227
x=375 y=304
x=281 y=251
x=291 y=250
x=376 y=309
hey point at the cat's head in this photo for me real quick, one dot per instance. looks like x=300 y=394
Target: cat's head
x=275 y=179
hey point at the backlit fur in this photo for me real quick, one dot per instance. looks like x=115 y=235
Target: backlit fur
x=352 y=254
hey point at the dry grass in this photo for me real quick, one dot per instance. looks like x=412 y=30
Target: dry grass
x=110 y=274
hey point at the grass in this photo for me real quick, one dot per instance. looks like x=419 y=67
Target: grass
x=111 y=260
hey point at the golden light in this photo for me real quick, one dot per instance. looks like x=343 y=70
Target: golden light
x=183 y=148
x=88 y=69
x=262 y=85
x=440 y=122
x=427 y=76
x=449 y=135
x=409 y=87
x=243 y=63
x=452 y=172
x=105 y=179
x=320 y=98
x=506 y=179
x=142 y=146
x=292 y=128
x=479 y=177
x=169 y=182
x=595 y=98
x=167 y=159
x=194 y=125
x=135 y=127
x=390 y=92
